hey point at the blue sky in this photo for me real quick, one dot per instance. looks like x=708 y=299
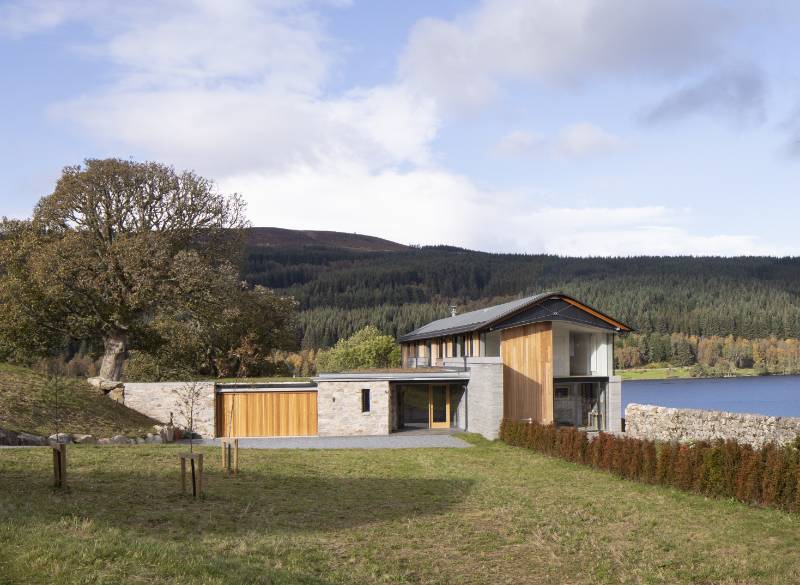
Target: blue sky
x=584 y=128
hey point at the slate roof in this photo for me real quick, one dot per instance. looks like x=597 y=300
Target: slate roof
x=472 y=320
x=484 y=318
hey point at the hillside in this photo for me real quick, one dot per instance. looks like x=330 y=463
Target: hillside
x=27 y=404
x=341 y=288
x=283 y=238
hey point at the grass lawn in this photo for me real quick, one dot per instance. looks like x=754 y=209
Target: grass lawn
x=491 y=514
x=667 y=373
x=27 y=404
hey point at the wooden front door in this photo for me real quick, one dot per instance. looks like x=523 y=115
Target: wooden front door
x=439 y=406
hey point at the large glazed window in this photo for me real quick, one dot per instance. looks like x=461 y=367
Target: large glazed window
x=581 y=347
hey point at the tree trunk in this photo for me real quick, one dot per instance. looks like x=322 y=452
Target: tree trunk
x=116 y=353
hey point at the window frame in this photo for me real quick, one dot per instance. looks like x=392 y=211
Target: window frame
x=366 y=401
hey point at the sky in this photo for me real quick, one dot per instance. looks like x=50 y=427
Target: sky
x=586 y=127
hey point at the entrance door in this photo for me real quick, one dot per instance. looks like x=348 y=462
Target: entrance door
x=439 y=407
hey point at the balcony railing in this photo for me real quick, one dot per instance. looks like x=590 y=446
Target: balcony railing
x=418 y=362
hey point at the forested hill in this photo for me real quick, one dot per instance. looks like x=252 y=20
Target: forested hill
x=342 y=286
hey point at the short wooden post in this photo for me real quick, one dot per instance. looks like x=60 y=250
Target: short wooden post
x=196 y=461
x=230 y=455
x=60 y=465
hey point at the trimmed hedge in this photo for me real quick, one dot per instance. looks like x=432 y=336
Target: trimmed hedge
x=769 y=476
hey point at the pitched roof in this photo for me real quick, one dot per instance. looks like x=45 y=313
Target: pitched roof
x=483 y=318
x=472 y=320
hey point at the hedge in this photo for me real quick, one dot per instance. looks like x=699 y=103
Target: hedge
x=769 y=476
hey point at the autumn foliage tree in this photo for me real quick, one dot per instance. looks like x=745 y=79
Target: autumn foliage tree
x=118 y=249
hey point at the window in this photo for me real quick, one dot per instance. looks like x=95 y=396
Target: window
x=365 y=400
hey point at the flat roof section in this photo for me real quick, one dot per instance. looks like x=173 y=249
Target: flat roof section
x=397 y=375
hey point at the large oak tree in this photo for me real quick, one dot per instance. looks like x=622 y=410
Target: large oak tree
x=117 y=244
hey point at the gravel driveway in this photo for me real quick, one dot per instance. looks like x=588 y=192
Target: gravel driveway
x=394 y=441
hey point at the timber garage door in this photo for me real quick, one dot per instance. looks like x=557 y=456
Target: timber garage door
x=266 y=414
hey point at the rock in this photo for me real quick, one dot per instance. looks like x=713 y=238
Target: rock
x=118 y=394
x=105 y=385
x=154 y=439
x=139 y=440
x=8 y=437
x=60 y=438
x=29 y=440
x=84 y=439
x=104 y=441
x=120 y=440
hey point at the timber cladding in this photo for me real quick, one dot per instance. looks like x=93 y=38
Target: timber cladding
x=527 y=354
x=266 y=414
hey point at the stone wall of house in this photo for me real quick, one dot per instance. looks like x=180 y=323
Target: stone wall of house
x=614 y=398
x=339 y=408
x=660 y=423
x=158 y=399
x=484 y=404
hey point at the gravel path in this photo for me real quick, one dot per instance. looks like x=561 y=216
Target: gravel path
x=394 y=441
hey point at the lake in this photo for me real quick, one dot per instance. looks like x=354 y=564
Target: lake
x=770 y=395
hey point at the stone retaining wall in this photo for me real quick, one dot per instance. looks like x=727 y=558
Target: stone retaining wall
x=158 y=399
x=645 y=421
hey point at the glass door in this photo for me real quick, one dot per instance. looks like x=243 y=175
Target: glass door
x=439 y=406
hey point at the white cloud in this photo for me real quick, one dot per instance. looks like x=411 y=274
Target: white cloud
x=434 y=206
x=462 y=62
x=584 y=139
x=574 y=141
x=237 y=91
x=520 y=143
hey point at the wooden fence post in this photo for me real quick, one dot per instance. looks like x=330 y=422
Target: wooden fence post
x=196 y=462
x=60 y=465
x=230 y=455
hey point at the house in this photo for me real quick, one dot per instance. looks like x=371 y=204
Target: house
x=547 y=358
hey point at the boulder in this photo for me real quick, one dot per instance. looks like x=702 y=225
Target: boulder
x=104 y=441
x=8 y=437
x=84 y=439
x=105 y=385
x=120 y=440
x=30 y=440
x=151 y=438
x=60 y=438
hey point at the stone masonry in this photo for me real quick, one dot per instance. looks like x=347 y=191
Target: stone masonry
x=485 y=397
x=339 y=408
x=660 y=423
x=158 y=399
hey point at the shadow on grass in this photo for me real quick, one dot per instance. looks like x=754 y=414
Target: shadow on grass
x=148 y=501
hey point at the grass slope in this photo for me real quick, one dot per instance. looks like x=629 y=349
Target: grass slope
x=27 y=404
x=490 y=514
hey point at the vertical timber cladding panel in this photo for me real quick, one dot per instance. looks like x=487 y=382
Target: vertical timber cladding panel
x=267 y=414
x=527 y=354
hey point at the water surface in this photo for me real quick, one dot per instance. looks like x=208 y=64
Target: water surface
x=770 y=395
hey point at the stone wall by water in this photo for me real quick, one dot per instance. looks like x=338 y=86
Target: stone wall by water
x=660 y=423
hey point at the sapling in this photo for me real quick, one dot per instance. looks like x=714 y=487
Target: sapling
x=188 y=397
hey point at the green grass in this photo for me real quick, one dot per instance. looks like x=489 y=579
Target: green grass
x=27 y=403
x=668 y=373
x=490 y=514
x=257 y=380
